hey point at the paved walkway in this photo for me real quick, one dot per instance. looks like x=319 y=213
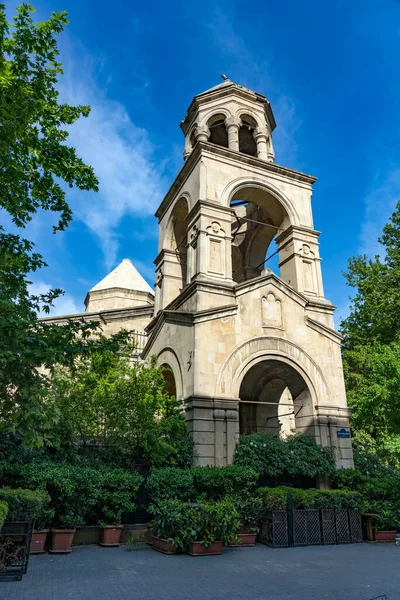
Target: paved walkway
x=356 y=572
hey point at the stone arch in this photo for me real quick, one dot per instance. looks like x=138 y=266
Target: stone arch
x=260 y=214
x=245 y=355
x=246 y=113
x=247 y=143
x=176 y=238
x=169 y=358
x=234 y=187
x=218 y=130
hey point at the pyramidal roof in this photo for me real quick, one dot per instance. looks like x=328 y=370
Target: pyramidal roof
x=125 y=276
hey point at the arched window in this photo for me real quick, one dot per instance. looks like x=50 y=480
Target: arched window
x=247 y=143
x=218 y=132
x=257 y=218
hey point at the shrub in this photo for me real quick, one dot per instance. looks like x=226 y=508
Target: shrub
x=24 y=505
x=339 y=499
x=170 y=482
x=184 y=522
x=3 y=512
x=214 y=483
x=388 y=515
x=272 y=498
x=298 y=455
x=118 y=489
x=73 y=490
x=249 y=509
x=347 y=478
x=172 y=521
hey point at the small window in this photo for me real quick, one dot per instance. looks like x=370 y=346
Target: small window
x=247 y=143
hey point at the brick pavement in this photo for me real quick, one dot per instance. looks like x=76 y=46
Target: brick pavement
x=356 y=572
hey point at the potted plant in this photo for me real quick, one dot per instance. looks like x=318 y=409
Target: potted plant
x=117 y=495
x=249 y=510
x=171 y=526
x=386 y=524
x=213 y=524
x=41 y=530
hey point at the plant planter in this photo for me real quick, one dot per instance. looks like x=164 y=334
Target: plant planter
x=110 y=535
x=163 y=546
x=38 y=541
x=246 y=540
x=149 y=533
x=385 y=536
x=199 y=549
x=61 y=540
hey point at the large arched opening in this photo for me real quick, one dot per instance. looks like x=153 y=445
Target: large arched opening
x=177 y=242
x=275 y=398
x=258 y=217
x=169 y=377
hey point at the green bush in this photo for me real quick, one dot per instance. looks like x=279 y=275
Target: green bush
x=185 y=522
x=214 y=483
x=250 y=509
x=24 y=504
x=74 y=491
x=272 y=498
x=298 y=455
x=339 y=499
x=347 y=479
x=3 y=512
x=118 y=489
x=170 y=482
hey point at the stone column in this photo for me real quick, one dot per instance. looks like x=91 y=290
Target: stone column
x=261 y=137
x=233 y=126
x=202 y=133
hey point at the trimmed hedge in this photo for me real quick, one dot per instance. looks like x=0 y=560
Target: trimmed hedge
x=277 y=498
x=169 y=483
x=79 y=495
x=200 y=483
x=3 y=512
x=23 y=504
x=297 y=455
x=214 y=483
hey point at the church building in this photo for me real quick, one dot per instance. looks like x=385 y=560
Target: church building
x=247 y=350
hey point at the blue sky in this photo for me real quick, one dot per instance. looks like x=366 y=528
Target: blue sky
x=330 y=71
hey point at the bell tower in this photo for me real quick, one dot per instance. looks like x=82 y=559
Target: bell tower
x=220 y=310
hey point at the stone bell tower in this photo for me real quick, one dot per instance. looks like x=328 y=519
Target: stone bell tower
x=247 y=349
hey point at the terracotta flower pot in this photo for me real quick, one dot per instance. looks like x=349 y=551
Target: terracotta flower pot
x=199 y=549
x=61 y=540
x=246 y=540
x=110 y=535
x=163 y=546
x=38 y=541
x=149 y=533
x=385 y=536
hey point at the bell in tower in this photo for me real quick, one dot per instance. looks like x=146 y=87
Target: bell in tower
x=250 y=350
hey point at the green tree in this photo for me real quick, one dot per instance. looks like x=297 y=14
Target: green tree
x=36 y=164
x=371 y=348
x=121 y=407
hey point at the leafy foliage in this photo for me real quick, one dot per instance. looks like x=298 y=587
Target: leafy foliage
x=250 y=509
x=24 y=504
x=297 y=455
x=170 y=483
x=214 y=483
x=281 y=497
x=123 y=408
x=3 y=512
x=117 y=495
x=205 y=522
x=371 y=350
x=35 y=165
x=272 y=498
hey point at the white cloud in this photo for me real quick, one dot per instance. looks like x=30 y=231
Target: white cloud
x=380 y=204
x=64 y=305
x=120 y=152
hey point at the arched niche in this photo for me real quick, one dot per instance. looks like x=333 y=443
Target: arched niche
x=247 y=143
x=170 y=361
x=169 y=377
x=258 y=216
x=218 y=131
